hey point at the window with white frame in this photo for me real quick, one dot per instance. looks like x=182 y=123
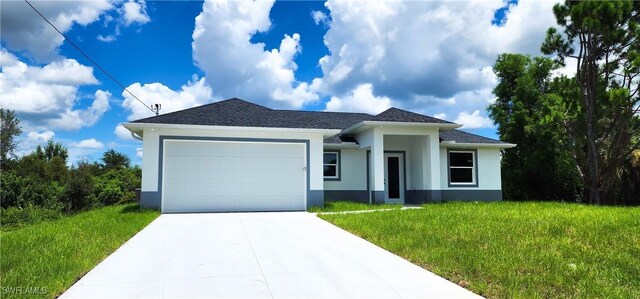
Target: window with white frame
x=462 y=168
x=331 y=165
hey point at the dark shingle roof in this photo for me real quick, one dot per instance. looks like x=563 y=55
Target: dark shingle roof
x=237 y=112
x=464 y=137
x=399 y=115
x=340 y=139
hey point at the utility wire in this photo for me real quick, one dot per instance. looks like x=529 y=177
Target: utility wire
x=92 y=61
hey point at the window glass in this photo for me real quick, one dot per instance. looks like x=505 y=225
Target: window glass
x=462 y=168
x=331 y=158
x=331 y=165
x=330 y=171
x=461 y=175
x=460 y=159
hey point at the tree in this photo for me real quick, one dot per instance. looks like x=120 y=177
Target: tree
x=52 y=150
x=79 y=189
x=540 y=167
x=113 y=159
x=603 y=36
x=9 y=130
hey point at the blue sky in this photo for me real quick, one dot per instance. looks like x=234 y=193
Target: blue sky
x=430 y=57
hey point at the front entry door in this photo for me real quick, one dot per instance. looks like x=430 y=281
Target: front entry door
x=394 y=177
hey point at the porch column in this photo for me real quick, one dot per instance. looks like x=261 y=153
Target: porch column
x=433 y=152
x=377 y=167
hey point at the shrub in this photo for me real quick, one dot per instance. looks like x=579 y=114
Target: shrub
x=80 y=186
x=21 y=192
x=109 y=191
x=19 y=216
x=126 y=180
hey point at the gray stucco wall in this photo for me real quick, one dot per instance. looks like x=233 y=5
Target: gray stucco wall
x=150 y=199
x=423 y=196
x=346 y=195
x=315 y=198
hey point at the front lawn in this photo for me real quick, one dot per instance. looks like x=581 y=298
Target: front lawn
x=515 y=250
x=343 y=206
x=45 y=259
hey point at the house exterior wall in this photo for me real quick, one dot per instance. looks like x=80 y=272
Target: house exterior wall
x=421 y=182
x=426 y=165
x=151 y=195
x=353 y=171
x=352 y=185
x=422 y=171
x=489 y=182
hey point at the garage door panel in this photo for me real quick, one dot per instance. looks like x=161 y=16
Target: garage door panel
x=231 y=164
x=231 y=150
x=233 y=176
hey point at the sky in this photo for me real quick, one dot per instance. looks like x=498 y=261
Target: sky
x=430 y=57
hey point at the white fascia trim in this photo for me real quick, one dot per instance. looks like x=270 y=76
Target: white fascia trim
x=476 y=145
x=141 y=126
x=401 y=124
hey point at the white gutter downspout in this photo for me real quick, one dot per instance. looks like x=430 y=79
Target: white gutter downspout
x=135 y=136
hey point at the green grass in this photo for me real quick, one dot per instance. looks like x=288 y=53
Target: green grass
x=343 y=206
x=50 y=256
x=515 y=250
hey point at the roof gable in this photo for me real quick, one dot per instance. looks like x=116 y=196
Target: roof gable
x=240 y=113
x=398 y=115
x=458 y=136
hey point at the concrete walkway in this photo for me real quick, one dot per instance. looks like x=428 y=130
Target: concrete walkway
x=256 y=255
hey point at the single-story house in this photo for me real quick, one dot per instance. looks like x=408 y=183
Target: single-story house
x=234 y=155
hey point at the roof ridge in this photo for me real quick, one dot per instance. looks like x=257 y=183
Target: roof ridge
x=391 y=110
x=203 y=105
x=315 y=111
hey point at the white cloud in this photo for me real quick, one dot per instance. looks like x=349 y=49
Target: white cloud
x=46 y=97
x=131 y=12
x=111 y=37
x=107 y=38
x=139 y=152
x=123 y=133
x=135 y=12
x=23 y=29
x=76 y=119
x=361 y=99
x=28 y=141
x=64 y=72
x=41 y=137
x=473 y=120
x=192 y=94
x=236 y=67
x=319 y=17
x=440 y=115
x=426 y=56
x=91 y=143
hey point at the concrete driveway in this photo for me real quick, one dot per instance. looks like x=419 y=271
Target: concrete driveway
x=256 y=255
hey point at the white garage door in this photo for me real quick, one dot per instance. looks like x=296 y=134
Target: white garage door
x=221 y=176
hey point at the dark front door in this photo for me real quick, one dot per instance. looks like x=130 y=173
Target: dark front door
x=394 y=180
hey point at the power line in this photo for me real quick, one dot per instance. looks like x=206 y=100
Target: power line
x=156 y=106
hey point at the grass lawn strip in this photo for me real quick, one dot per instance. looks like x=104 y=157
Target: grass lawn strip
x=343 y=206
x=514 y=250
x=369 y=211
x=47 y=258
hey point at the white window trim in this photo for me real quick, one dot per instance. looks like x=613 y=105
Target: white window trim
x=472 y=167
x=337 y=164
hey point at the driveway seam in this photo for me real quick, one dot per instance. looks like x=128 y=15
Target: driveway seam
x=244 y=231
